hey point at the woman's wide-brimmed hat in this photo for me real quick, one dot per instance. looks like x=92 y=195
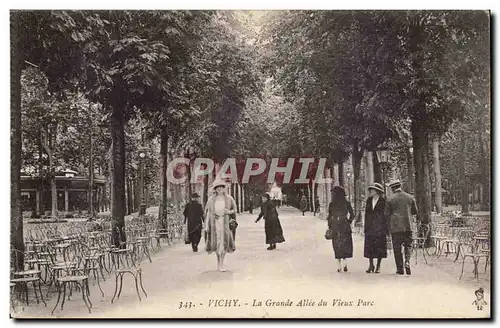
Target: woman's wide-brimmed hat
x=376 y=186
x=219 y=183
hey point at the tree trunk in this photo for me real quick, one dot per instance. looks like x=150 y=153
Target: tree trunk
x=41 y=209
x=409 y=160
x=118 y=177
x=463 y=183
x=130 y=200
x=370 y=179
x=483 y=162
x=16 y=217
x=421 y=160
x=162 y=214
x=53 y=189
x=111 y=174
x=205 y=189
x=91 y=180
x=437 y=174
x=341 y=174
x=420 y=137
x=377 y=170
x=357 y=157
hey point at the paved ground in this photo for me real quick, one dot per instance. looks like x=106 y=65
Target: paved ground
x=302 y=271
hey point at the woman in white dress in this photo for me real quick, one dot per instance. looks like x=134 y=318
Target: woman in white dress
x=220 y=210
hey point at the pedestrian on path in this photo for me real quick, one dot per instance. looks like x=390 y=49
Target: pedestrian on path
x=272 y=226
x=193 y=216
x=250 y=205
x=340 y=224
x=303 y=204
x=399 y=209
x=316 y=205
x=376 y=225
x=221 y=211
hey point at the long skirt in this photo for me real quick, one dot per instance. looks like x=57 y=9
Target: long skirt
x=342 y=245
x=274 y=232
x=375 y=246
x=195 y=235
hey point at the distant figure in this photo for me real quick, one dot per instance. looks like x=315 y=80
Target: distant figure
x=274 y=232
x=193 y=215
x=250 y=205
x=376 y=225
x=399 y=210
x=316 y=205
x=303 y=204
x=340 y=224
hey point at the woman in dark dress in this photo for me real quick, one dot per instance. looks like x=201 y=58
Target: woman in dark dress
x=376 y=225
x=340 y=224
x=274 y=232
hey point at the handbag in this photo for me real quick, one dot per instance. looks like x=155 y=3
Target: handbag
x=329 y=234
x=233 y=225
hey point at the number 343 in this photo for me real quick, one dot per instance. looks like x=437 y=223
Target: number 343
x=186 y=305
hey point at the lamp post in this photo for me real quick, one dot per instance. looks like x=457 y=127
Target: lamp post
x=383 y=159
x=142 y=157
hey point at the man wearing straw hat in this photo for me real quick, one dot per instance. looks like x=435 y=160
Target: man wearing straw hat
x=400 y=209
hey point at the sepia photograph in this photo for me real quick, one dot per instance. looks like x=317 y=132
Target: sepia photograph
x=255 y=164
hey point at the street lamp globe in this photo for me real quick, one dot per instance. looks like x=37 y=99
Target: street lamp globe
x=382 y=155
x=142 y=154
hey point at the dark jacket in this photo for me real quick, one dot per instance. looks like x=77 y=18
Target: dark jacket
x=338 y=219
x=272 y=225
x=193 y=214
x=376 y=222
x=399 y=210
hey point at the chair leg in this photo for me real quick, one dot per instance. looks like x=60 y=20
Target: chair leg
x=137 y=287
x=463 y=264
x=26 y=293
x=40 y=290
x=84 y=295
x=142 y=287
x=99 y=284
x=86 y=286
x=116 y=286
x=58 y=299
x=64 y=295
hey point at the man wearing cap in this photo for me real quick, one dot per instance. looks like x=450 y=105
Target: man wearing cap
x=193 y=215
x=400 y=210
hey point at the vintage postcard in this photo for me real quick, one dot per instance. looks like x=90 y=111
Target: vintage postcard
x=250 y=164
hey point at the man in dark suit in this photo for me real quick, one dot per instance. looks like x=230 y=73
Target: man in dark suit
x=193 y=214
x=400 y=210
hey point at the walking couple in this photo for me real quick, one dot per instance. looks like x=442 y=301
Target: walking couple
x=382 y=218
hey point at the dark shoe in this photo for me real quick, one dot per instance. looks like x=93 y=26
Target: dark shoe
x=345 y=268
x=195 y=248
x=408 y=269
x=400 y=272
x=370 y=269
x=377 y=270
x=339 y=270
x=274 y=246
x=270 y=248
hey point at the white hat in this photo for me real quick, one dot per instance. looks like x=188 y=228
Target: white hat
x=218 y=183
x=376 y=186
x=395 y=183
